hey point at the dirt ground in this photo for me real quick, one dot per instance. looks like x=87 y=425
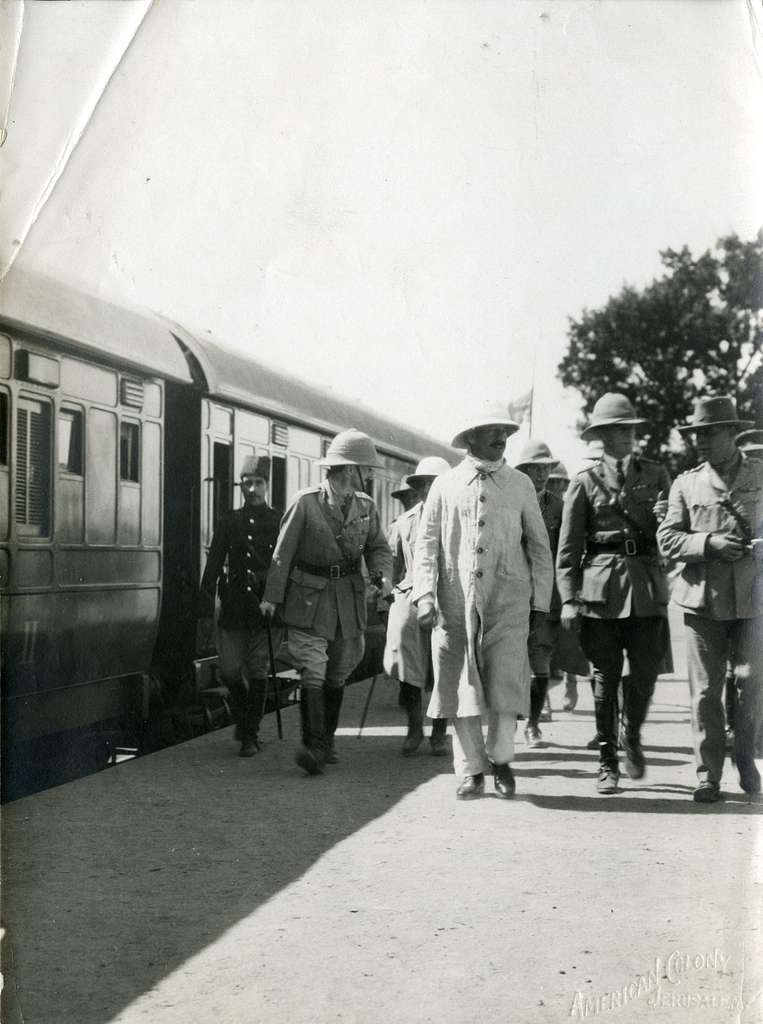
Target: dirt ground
x=193 y=885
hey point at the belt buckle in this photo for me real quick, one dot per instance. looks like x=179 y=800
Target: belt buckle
x=335 y=571
x=631 y=548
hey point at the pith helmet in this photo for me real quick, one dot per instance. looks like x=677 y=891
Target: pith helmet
x=403 y=494
x=559 y=472
x=429 y=467
x=612 y=410
x=351 y=448
x=536 y=453
x=750 y=440
x=489 y=414
x=717 y=411
x=256 y=465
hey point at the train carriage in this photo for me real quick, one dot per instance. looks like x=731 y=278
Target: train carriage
x=121 y=440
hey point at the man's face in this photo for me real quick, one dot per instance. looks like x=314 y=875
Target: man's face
x=538 y=475
x=557 y=486
x=618 y=440
x=715 y=445
x=254 y=489
x=489 y=442
x=423 y=486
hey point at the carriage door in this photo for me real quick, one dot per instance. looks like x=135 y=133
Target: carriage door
x=216 y=470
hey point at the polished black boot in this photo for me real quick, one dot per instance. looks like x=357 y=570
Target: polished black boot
x=412 y=696
x=311 y=755
x=636 y=703
x=333 y=696
x=606 y=728
x=438 y=741
x=538 y=690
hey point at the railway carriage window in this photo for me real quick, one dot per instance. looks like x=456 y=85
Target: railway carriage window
x=278 y=482
x=33 y=468
x=129 y=451
x=4 y=432
x=70 y=441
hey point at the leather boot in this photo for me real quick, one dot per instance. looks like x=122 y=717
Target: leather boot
x=636 y=701
x=606 y=728
x=415 y=735
x=311 y=755
x=438 y=741
x=747 y=716
x=333 y=696
x=538 y=690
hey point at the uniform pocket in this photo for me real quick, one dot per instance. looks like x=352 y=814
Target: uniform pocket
x=359 y=595
x=596 y=575
x=302 y=597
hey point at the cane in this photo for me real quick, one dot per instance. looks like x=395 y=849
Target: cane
x=274 y=677
x=364 y=716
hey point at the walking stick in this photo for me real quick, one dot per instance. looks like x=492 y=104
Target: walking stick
x=274 y=677
x=364 y=716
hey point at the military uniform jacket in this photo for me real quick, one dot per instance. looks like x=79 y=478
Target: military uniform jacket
x=698 y=506
x=551 y=507
x=237 y=565
x=316 y=534
x=611 y=584
x=406 y=652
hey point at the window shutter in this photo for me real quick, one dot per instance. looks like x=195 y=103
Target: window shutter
x=32 y=466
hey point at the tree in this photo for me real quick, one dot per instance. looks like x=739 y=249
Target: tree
x=696 y=330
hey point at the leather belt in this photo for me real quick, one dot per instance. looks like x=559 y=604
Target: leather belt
x=630 y=546
x=331 y=572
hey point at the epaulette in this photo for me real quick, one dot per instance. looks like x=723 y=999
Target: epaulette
x=688 y=472
x=362 y=494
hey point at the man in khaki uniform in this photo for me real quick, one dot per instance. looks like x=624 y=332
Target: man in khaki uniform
x=608 y=571
x=713 y=525
x=316 y=581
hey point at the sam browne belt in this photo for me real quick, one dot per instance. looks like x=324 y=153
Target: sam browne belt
x=331 y=572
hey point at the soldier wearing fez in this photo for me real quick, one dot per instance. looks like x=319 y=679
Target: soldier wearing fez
x=316 y=583
x=408 y=650
x=237 y=564
x=482 y=577
x=609 y=576
x=713 y=526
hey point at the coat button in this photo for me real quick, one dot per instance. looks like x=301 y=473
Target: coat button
x=478 y=574
x=482 y=497
x=483 y=476
x=248 y=590
x=480 y=522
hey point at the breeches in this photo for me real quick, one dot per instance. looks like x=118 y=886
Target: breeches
x=324 y=661
x=471 y=753
x=604 y=642
x=710 y=643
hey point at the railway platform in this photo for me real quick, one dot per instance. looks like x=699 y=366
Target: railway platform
x=195 y=886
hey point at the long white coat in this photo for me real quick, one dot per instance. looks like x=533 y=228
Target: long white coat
x=482 y=550
x=407 y=650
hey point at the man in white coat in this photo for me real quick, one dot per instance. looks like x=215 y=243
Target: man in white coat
x=482 y=569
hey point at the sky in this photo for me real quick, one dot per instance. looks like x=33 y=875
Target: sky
x=402 y=201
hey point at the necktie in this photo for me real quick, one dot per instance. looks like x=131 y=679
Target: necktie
x=620 y=474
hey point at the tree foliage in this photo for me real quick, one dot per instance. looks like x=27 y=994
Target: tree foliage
x=696 y=330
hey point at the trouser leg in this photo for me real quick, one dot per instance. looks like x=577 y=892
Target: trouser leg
x=413 y=709
x=538 y=691
x=255 y=705
x=748 y=666
x=501 y=730
x=603 y=646
x=644 y=644
x=707 y=642
x=469 y=754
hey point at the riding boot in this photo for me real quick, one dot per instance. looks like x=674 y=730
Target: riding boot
x=438 y=742
x=333 y=696
x=636 y=703
x=415 y=734
x=311 y=755
x=606 y=729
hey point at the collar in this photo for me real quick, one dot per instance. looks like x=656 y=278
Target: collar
x=716 y=481
x=498 y=472
x=611 y=463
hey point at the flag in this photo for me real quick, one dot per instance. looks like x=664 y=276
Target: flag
x=521 y=408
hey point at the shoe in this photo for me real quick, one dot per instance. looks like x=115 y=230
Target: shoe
x=749 y=776
x=331 y=755
x=505 y=784
x=472 y=786
x=249 y=748
x=635 y=762
x=533 y=736
x=545 y=715
x=309 y=761
x=707 y=792
x=412 y=741
x=593 y=744
x=608 y=780
x=570 y=703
